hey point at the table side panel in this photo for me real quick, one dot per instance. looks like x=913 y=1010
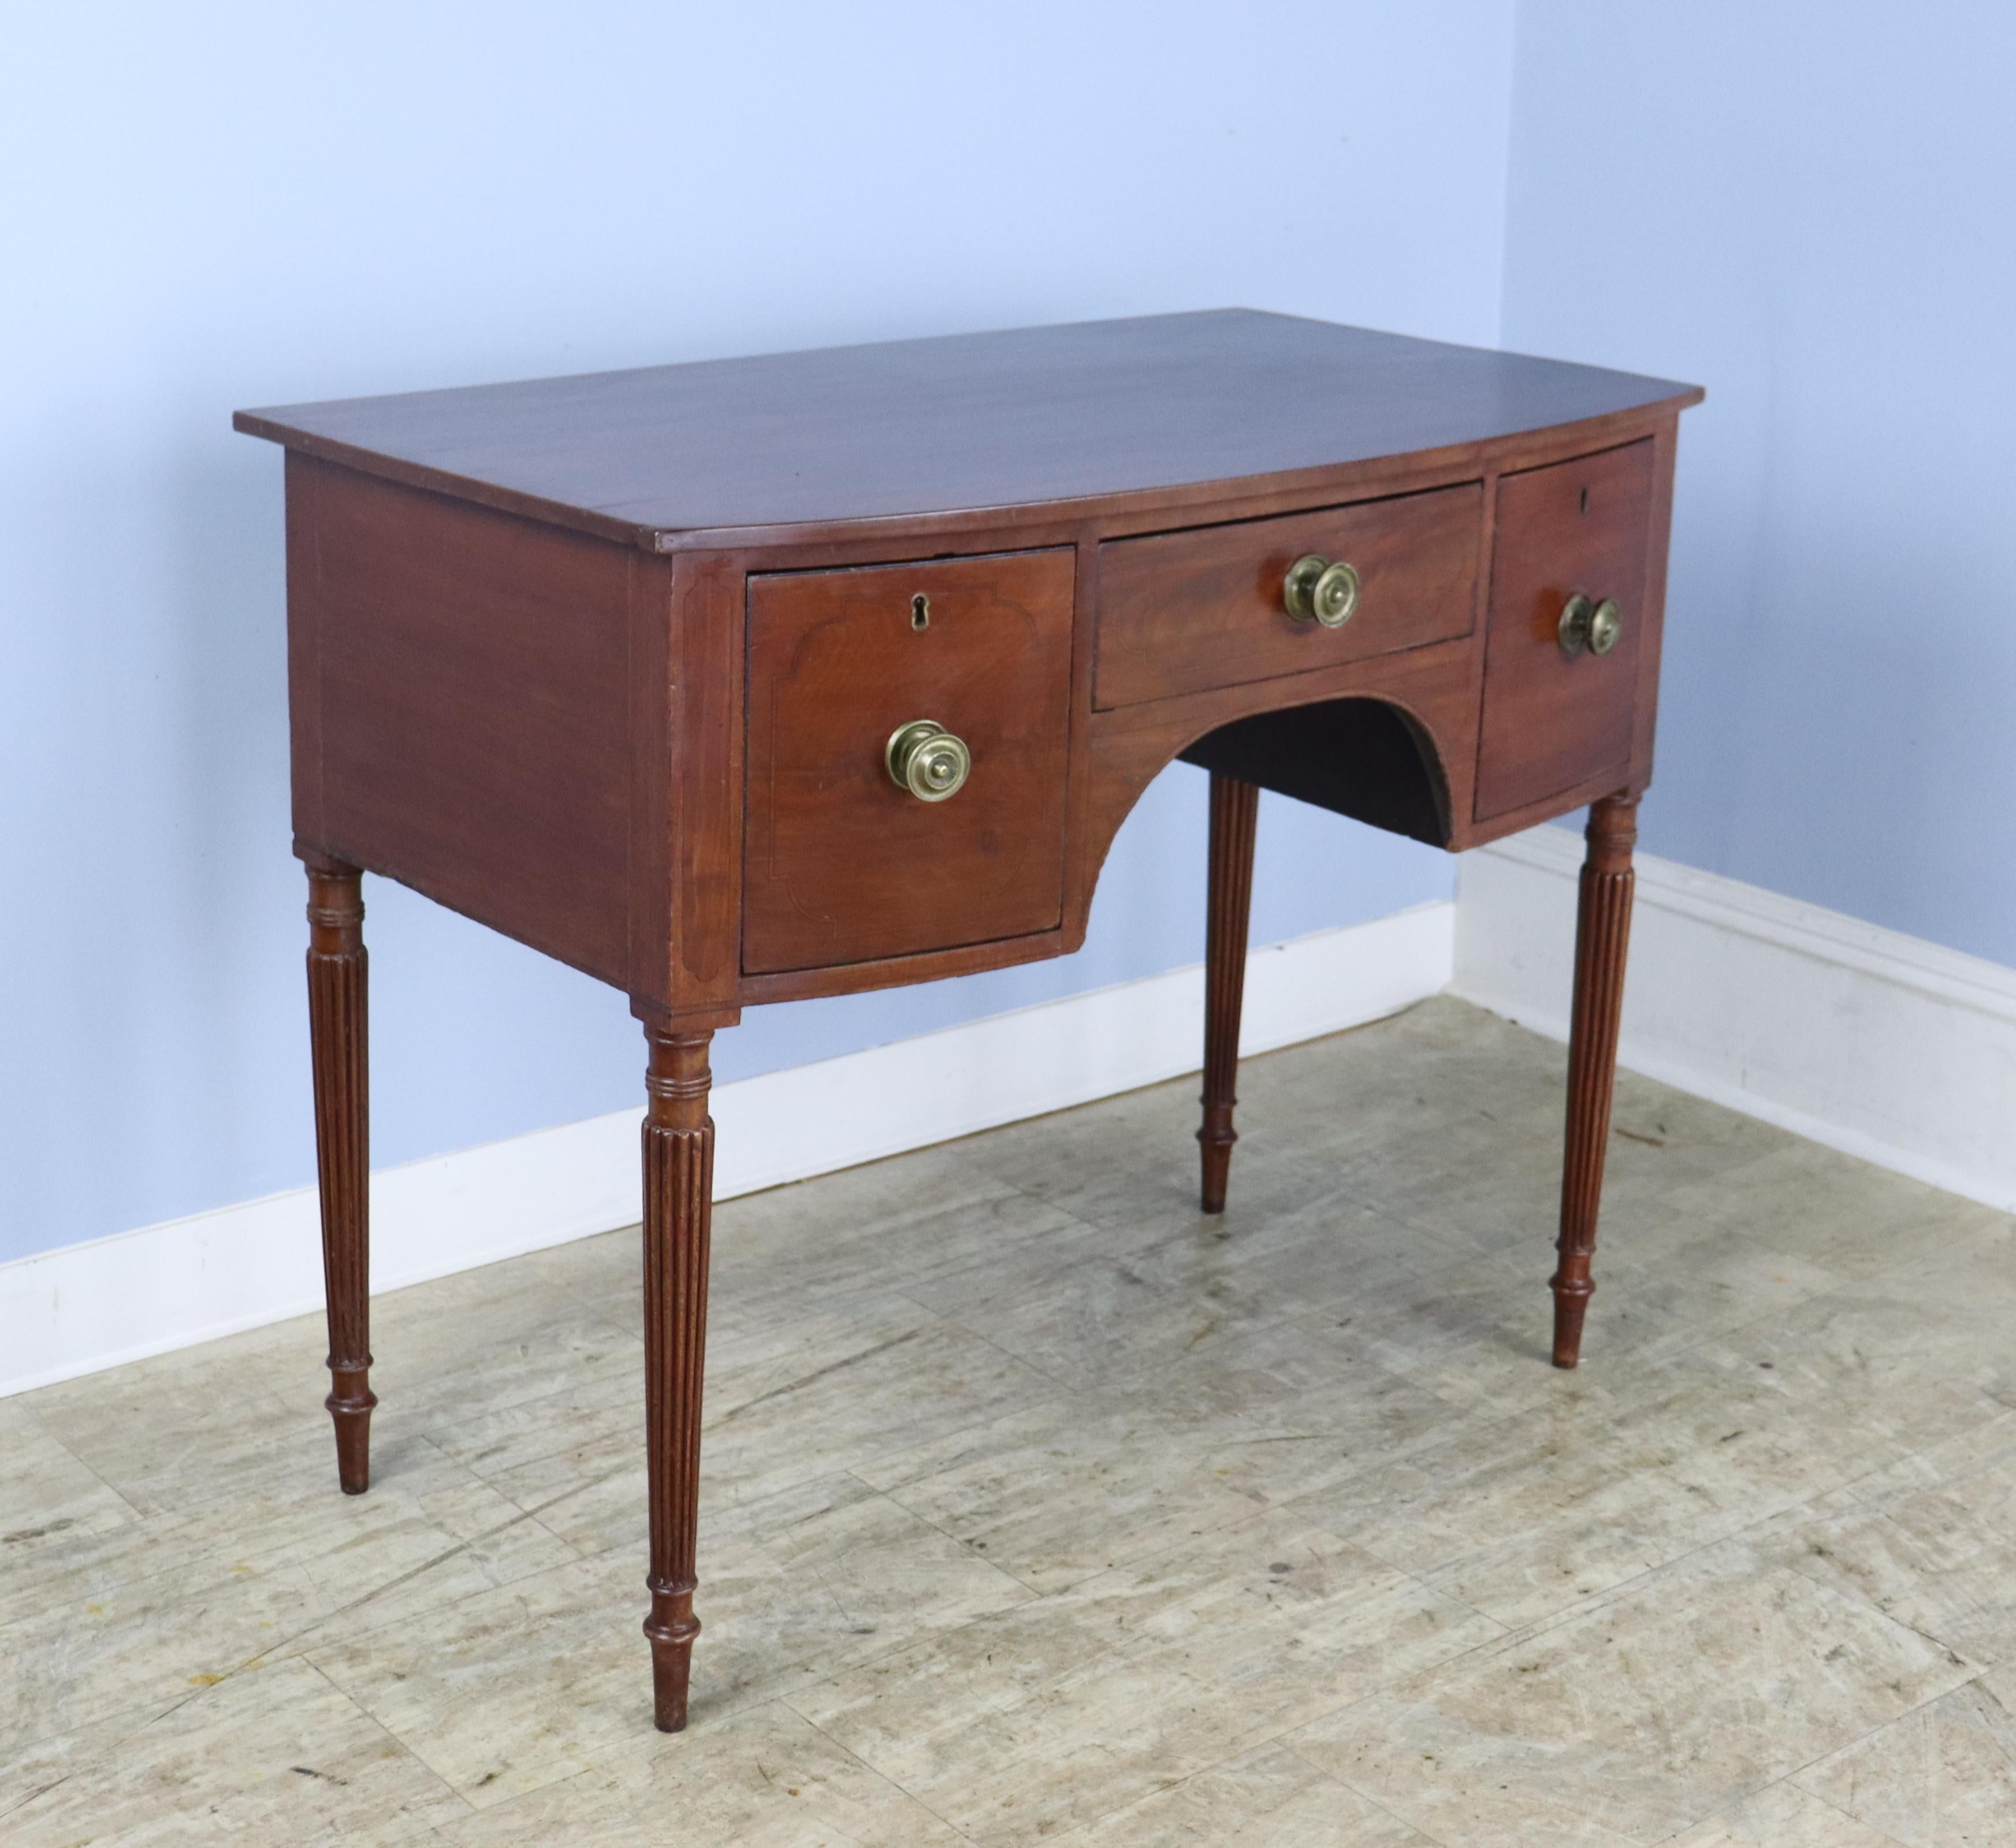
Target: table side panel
x=472 y=675
x=304 y=481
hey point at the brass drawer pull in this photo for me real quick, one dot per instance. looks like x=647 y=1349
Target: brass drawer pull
x=1316 y=591
x=1585 y=625
x=926 y=759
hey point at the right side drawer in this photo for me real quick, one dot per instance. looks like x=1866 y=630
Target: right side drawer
x=1553 y=720
x=1185 y=612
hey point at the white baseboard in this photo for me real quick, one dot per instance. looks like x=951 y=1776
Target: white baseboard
x=1866 y=1040
x=1878 y=1044
x=87 y=1306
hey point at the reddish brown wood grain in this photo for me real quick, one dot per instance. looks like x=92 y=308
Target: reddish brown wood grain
x=1550 y=721
x=678 y=1205
x=340 y=1045
x=651 y=888
x=304 y=650
x=1664 y=440
x=610 y=664
x=672 y=933
x=1235 y=808
x=1603 y=936
x=1183 y=612
x=472 y=702
x=1168 y=408
x=843 y=867
x=1434 y=687
x=707 y=770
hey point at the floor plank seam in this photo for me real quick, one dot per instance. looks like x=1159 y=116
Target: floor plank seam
x=1400 y=1816
x=1060 y=1558
x=784 y=1702
x=894 y=1499
x=404 y=1746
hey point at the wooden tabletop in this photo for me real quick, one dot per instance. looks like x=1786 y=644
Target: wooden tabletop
x=1041 y=416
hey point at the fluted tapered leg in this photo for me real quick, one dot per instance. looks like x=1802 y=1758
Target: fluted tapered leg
x=1602 y=934
x=338 y=1037
x=1235 y=806
x=679 y=1197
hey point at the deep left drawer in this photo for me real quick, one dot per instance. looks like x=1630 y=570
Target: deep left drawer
x=843 y=865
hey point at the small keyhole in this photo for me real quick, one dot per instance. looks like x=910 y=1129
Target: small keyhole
x=1585 y=500
x=920 y=611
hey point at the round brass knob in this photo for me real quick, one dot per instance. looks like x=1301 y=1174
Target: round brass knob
x=1572 y=631
x=926 y=759
x=1316 y=590
x=1592 y=625
x=1606 y=622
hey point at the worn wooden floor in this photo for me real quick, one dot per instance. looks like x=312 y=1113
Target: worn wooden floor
x=1038 y=1508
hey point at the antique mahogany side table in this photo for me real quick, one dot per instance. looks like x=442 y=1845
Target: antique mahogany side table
x=757 y=678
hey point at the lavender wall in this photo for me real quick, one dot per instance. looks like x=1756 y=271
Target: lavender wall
x=1811 y=210
x=224 y=204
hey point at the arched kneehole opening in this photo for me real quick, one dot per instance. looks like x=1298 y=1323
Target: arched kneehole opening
x=1357 y=757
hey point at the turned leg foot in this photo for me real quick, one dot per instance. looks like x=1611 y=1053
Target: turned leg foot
x=338 y=1039
x=349 y=1402
x=671 y=1627
x=1603 y=932
x=1234 y=810
x=679 y=1194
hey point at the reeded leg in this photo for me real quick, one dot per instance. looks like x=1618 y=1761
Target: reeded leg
x=679 y=1197
x=338 y=1037
x=1234 y=807
x=1602 y=933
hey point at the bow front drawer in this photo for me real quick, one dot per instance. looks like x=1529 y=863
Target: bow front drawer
x=908 y=726
x=1567 y=622
x=1183 y=612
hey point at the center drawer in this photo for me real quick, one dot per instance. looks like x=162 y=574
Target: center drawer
x=843 y=863
x=1183 y=612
